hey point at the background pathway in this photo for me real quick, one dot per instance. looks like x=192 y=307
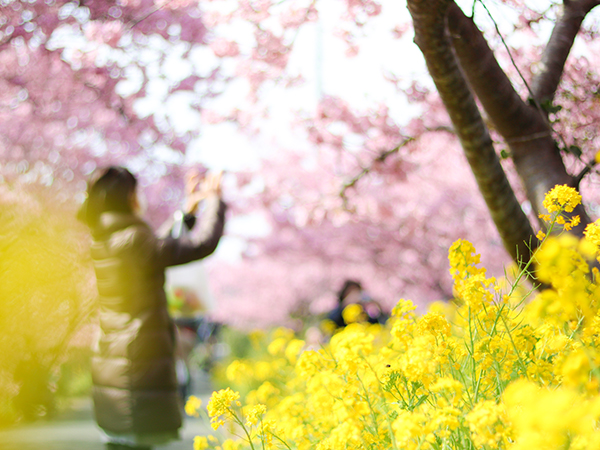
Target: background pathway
x=76 y=430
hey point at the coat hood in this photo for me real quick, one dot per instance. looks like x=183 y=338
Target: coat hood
x=112 y=221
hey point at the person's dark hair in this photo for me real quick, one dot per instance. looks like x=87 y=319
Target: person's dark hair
x=348 y=284
x=109 y=189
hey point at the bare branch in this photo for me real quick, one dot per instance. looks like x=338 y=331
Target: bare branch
x=589 y=166
x=529 y=137
x=133 y=23
x=512 y=117
x=545 y=83
x=379 y=159
x=383 y=156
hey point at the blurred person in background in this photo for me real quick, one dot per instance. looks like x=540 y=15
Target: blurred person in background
x=136 y=401
x=363 y=307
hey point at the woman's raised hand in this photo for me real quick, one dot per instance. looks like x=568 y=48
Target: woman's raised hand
x=199 y=188
x=212 y=184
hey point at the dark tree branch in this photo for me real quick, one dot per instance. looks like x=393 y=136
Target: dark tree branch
x=555 y=54
x=512 y=117
x=365 y=170
x=382 y=158
x=134 y=22
x=589 y=166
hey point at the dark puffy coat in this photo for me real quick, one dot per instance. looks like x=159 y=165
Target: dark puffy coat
x=133 y=369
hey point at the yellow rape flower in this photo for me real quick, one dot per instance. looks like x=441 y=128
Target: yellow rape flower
x=562 y=265
x=192 y=406
x=408 y=427
x=293 y=349
x=419 y=383
x=420 y=361
x=220 y=404
x=404 y=309
x=277 y=346
x=268 y=430
x=200 y=443
x=254 y=414
x=575 y=220
x=263 y=370
x=345 y=435
x=230 y=444
x=486 y=423
x=256 y=338
x=350 y=346
x=328 y=327
x=576 y=368
x=308 y=363
x=239 y=370
x=451 y=389
x=433 y=323
x=547 y=418
x=592 y=232
x=592 y=237
x=559 y=259
x=474 y=292
x=353 y=313
x=463 y=258
x=264 y=393
x=446 y=309
x=443 y=420
x=283 y=332
x=561 y=198
x=587 y=249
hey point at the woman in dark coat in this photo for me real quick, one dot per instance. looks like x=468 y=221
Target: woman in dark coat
x=136 y=401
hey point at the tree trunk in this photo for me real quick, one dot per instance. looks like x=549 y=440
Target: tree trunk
x=432 y=37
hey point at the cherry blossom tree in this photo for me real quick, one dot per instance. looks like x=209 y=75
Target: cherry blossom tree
x=464 y=69
x=517 y=152
x=375 y=189
x=392 y=234
x=73 y=80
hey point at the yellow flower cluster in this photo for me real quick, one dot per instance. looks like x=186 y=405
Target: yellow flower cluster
x=559 y=200
x=592 y=237
x=562 y=198
x=353 y=313
x=192 y=406
x=220 y=406
x=486 y=371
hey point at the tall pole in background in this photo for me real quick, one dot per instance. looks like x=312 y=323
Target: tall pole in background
x=319 y=59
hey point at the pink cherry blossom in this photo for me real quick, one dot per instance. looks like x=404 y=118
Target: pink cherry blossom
x=222 y=48
x=104 y=32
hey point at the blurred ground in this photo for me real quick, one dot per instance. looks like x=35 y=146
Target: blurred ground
x=75 y=429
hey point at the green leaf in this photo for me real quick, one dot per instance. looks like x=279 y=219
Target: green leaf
x=550 y=108
x=574 y=150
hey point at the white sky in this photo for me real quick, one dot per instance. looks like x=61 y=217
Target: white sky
x=320 y=58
